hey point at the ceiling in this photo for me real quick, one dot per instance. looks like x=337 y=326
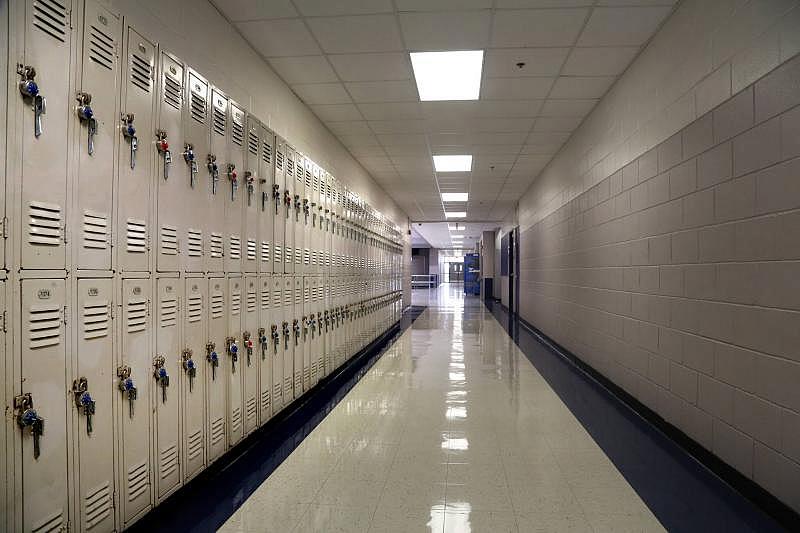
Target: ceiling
x=348 y=60
x=439 y=234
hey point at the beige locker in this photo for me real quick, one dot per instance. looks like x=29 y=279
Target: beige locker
x=194 y=169
x=316 y=317
x=234 y=354
x=288 y=342
x=93 y=391
x=46 y=117
x=266 y=347
x=234 y=201
x=5 y=318
x=315 y=227
x=193 y=376
x=96 y=112
x=299 y=219
x=279 y=206
x=135 y=373
x=41 y=398
x=217 y=368
x=266 y=201
x=171 y=206
x=296 y=344
x=166 y=395
x=4 y=114
x=278 y=341
x=250 y=188
x=304 y=342
x=216 y=165
x=250 y=359
x=288 y=205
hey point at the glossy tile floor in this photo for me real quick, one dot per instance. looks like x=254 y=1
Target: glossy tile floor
x=451 y=430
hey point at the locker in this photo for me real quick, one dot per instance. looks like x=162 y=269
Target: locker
x=234 y=367
x=302 y=257
x=313 y=232
x=266 y=347
x=95 y=377
x=234 y=203
x=250 y=359
x=316 y=317
x=134 y=379
x=296 y=317
x=267 y=202
x=4 y=466
x=251 y=187
x=44 y=78
x=194 y=171
x=278 y=341
x=170 y=189
x=217 y=368
x=96 y=115
x=43 y=465
x=279 y=206
x=216 y=164
x=193 y=376
x=135 y=154
x=288 y=342
x=288 y=204
x=166 y=391
x=304 y=342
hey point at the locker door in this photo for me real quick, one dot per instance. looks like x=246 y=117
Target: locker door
x=171 y=205
x=288 y=342
x=234 y=202
x=96 y=365
x=332 y=300
x=266 y=348
x=45 y=156
x=136 y=365
x=305 y=327
x=218 y=196
x=266 y=218
x=288 y=211
x=251 y=188
x=193 y=168
x=217 y=368
x=302 y=254
x=43 y=365
x=316 y=336
x=296 y=316
x=277 y=340
x=279 y=226
x=4 y=473
x=251 y=359
x=193 y=377
x=167 y=390
x=99 y=82
x=234 y=355
x=135 y=155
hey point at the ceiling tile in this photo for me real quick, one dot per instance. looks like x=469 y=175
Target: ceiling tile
x=366 y=151
x=449 y=109
x=531 y=161
x=441 y=5
x=322 y=8
x=556 y=124
x=601 y=61
x=351 y=127
x=497 y=138
x=622 y=26
x=391 y=110
x=515 y=88
x=401 y=149
x=462 y=30
x=283 y=37
x=509 y=108
x=304 y=69
x=545 y=138
x=328 y=113
x=567 y=108
x=502 y=63
x=501 y=124
x=537 y=27
x=239 y=10
x=519 y=4
x=383 y=91
x=581 y=87
x=368 y=67
x=549 y=149
x=321 y=93
x=403 y=139
x=502 y=149
x=397 y=126
x=352 y=141
x=368 y=33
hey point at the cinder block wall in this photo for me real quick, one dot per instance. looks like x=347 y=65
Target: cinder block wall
x=662 y=245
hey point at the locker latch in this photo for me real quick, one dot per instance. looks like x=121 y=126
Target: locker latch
x=276 y=195
x=129 y=132
x=312 y=323
x=248 y=345
x=233 y=351
x=86 y=116
x=305 y=209
x=264 y=194
x=287 y=201
x=297 y=208
x=163 y=148
x=296 y=330
x=262 y=342
x=327 y=321
x=304 y=321
x=84 y=401
x=233 y=177
x=213 y=358
x=286 y=335
x=161 y=376
x=30 y=91
x=188 y=366
x=250 y=181
x=276 y=339
x=188 y=156
x=127 y=387
x=27 y=417
x=213 y=170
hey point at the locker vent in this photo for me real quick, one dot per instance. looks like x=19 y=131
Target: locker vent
x=50 y=524
x=308 y=178
x=168 y=461
x=95 y=320
x=287 y=297
x=216 y=245
x=307 y=292
x=198 y=108
x=169 y=312
x=218 y=117
x=289 y=166
x=252 y=301
x=101 y=48
x=50 y=17
x=278 y=254
x=137 y=315
x=137 y=481
x=237 y=133
x=195 y=308
x=97 y=505
x=266 y=154
x=169 y=240
x=44 y=224
x=264 y=251
x=252 y=142
x=279 y=160
x=172 y=92
x=195 y=242
x=288 y=255
x=276 y=298
x=136 y=238
x=235 y=251
x=95 y=230
x=195 y=444
x=217 y=431
x=306 y=256
x=141 y=72
x=287 y=386
x=265 y=298
x=251 y=250
x=265 y=403
x=276 y=391
x=236 y=302
x=298 y=256
x=298 y=296
x=236 y=420
x=252 y=409
x=217 y=305
x=44 y=325
x=314 y=257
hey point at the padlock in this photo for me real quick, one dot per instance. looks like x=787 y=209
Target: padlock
x=213 y=358
x=233 y=176
x=163 y=148
x=188 y=156
x=127 y=387
x=129 y=132
x=30 y=91
x=262 y=342
x=161 y=375
x=189 y=367
x=276 y=195
x=248 y=345
x=276 y=339
x=250 y=181
x=233 y=351
x=213 y=170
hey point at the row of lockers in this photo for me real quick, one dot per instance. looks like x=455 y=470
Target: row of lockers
x=164 y=375
x=145 y=166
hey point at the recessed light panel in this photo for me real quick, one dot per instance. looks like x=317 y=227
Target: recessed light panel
x=452 y=163
x=455 y=214
x=455 y=196
x=448 y=75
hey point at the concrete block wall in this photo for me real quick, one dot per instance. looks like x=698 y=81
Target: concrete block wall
x=662 y=245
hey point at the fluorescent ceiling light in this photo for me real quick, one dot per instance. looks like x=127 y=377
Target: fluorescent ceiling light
x=455 y=196
x=455 y=214
x=452 y=163
x=448 y=75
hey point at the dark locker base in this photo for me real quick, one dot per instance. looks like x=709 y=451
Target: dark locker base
x=208 y=500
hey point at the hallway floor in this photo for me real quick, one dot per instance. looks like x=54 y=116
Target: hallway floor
x=453 y=429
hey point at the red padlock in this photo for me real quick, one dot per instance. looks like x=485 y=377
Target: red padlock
x=163 y=145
